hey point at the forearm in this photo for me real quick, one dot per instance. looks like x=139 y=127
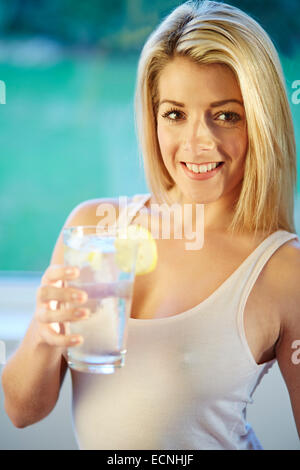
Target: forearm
x=31 y=379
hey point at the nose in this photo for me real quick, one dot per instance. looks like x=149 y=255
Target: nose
x=198 y=138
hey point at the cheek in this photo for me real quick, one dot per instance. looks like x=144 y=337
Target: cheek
x=165 y=140
x=236 y=146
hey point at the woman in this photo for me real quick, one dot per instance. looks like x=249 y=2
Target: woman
x=206 y=324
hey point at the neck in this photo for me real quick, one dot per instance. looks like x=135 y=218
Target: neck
x=217 y=214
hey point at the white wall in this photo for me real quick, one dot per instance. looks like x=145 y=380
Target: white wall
x=270 y=414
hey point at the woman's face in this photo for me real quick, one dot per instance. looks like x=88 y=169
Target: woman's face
x=193 y=128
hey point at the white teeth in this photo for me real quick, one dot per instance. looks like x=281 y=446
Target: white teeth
x=201 y=168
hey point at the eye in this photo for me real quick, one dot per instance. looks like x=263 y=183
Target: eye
x=172 y=115
x=230 y=117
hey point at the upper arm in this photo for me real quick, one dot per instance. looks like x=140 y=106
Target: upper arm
x=288 y=346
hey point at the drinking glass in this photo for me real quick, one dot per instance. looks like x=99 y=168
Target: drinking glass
x=94 y=251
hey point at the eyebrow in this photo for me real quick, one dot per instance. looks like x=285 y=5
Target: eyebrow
x=215 y=104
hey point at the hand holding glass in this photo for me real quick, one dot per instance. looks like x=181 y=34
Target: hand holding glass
x=93 y=250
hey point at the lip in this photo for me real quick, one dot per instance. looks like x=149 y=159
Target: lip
x=200 y=176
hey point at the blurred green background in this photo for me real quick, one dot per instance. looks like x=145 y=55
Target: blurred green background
x=67 y=128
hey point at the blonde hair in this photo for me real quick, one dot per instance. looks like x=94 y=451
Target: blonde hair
x=212 y=32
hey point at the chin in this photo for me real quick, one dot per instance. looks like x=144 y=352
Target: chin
x=198 y=198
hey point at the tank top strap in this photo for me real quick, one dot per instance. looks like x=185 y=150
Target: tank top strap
x=257 y=261
x=130 y=210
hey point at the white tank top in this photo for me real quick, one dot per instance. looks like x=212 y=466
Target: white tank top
x=187 y=378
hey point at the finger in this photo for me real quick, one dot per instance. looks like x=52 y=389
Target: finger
x=46 y=294
x=53 y=338
x=46 y=315
x=56 y=273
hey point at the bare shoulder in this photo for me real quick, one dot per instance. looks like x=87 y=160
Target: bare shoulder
x=289 y=259
x=289 y=255
x=285 y=267
x=93 y=211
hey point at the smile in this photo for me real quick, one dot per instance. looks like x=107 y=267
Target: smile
x=201 y=172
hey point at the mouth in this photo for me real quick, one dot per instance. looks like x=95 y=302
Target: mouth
x=203 y=171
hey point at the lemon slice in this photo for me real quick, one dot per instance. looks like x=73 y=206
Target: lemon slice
x=94 y=259
x=74 y=257
x=125 y=246
x=80 y=258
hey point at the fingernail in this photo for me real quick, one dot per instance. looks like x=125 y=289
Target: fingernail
x=76 y=339
x=70 y=271
x=76 y=296
x=81 y=313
